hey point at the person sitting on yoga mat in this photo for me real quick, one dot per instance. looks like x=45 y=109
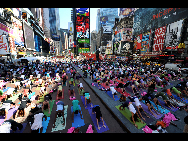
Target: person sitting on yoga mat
x=87 y=98
x=59 y=112
x=138 y=105
x=150 y=106
x=7 y=125
x=76 y=109
x=6 y=106
x=96 y=109
x=177 y=92
x=165 y=99
x=46 y=104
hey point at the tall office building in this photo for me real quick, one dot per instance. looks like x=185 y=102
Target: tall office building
x=46 y=22
x=98 y=21
x=111 y=13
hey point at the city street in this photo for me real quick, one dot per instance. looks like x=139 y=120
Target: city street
x=113 y=125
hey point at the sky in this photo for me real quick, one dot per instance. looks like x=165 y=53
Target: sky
x=65 y=17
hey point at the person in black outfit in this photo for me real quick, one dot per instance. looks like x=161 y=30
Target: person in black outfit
x=14 y=125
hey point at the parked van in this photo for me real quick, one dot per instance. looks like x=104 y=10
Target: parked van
x=172 y=66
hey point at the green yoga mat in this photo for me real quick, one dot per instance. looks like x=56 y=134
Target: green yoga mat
x=38 y=88
x=51 y=106
x=127 y=114
x=81 y=92
x=14 y=97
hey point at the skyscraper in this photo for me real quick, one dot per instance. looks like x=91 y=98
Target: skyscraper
x=111 y=13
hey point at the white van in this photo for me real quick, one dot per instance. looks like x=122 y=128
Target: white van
x=172 y=66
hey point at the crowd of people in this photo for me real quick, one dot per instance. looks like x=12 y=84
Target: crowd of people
x=141 y=80
x=135 y=81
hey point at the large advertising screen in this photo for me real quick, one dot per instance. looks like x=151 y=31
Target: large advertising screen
x=29 y=36
x=83 y=27
x=126 y=12
x=151 y=18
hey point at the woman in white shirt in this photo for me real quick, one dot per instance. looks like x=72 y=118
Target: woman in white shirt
x=37 y=124
x=135 y=115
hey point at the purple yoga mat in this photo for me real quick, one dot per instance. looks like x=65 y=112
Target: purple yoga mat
x=10 y=113
x=145 y=107
x=21 y=131
x=93 y=117
x=83 y=101
x=163 y=104
x=147 y=120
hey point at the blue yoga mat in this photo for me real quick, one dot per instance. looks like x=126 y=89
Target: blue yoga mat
x=30 y=95
x=111 y=95
x=45 y=124
x=178 y=98
x=78 y=122
x=4 y=90
x=163 y=111
x=83 y=101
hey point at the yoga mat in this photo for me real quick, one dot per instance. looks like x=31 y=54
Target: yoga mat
x=163 y=111
x=38 y=88
x=128 y=89
x=178 y=98
x=21 y=131
x=123 y=93
x=83 y=101
x=60 y=96
x=111 y=95
x=145 y=107
x=10 y=113
x=45 y=124
x=14 y=97
x=147 y=120
x=128 y=115
x=78 y=122
x=93 y=117
x=59 y=121
x=30 y=95
x=4 y=90
x=73 y=94
x=81 y=93
x=51 y=106
x=163 y=104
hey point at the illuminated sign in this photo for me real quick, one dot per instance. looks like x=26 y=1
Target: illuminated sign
x=83 y=27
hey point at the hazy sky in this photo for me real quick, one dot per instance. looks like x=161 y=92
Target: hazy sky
x=65 y=17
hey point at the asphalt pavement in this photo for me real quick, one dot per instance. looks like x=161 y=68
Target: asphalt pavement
x=113 y=125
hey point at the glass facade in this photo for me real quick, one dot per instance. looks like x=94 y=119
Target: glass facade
x=52 y=20
x=111 y=13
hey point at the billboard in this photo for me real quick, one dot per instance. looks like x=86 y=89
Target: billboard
x=55 y=37
x=126 y=34
x=29 y=36
x=103 y=20
x=126 y=12
x=159 y=39
x=151 y=18
x=107 y=29
x=173 y=35
x=4 y=48
x=83 y=27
